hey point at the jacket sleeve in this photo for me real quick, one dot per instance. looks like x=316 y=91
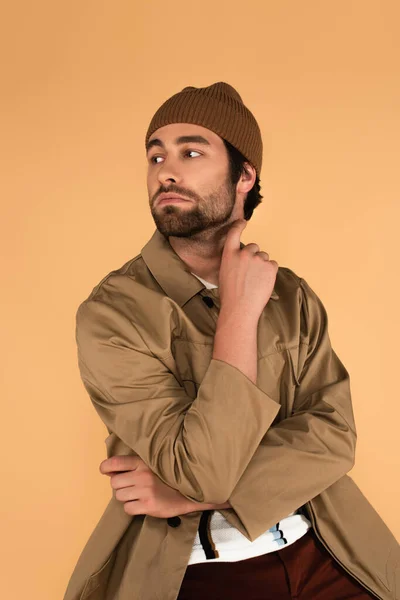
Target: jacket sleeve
x=199 y=447
x=304 y=454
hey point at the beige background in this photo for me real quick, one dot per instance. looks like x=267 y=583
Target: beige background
x=81 y=81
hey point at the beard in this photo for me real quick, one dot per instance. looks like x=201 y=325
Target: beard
x=207 y=212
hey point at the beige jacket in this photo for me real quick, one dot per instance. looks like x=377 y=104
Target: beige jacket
x=145 y=341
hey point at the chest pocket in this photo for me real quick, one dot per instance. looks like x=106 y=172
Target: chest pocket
x=276 y=374
x=277 y=377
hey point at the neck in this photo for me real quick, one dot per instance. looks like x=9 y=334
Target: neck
x=201 y=253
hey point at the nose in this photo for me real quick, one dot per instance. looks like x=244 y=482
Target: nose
x=169 y=172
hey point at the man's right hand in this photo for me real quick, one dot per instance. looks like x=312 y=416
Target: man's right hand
x=246 y=275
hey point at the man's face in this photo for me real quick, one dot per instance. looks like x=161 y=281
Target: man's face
x=192 y=162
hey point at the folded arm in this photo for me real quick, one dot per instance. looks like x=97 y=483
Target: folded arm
x=199 y=447
x=305 y=453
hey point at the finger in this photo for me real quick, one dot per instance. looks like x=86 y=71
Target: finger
x=275 y=264
x=254 y=248
x=123 y=480
x=119 y=463
x=135 y=508
x=111 y=473
x=263 y=255
x=232 y=241
x=127 y=494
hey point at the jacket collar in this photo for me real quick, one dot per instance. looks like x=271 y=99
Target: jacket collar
x=172 y=273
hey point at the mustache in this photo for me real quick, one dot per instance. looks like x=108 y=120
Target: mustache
x=174 y=189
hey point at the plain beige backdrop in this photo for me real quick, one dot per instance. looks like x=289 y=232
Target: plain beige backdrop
x=80 y=82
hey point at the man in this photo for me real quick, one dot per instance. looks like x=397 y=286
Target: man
x=229 y=414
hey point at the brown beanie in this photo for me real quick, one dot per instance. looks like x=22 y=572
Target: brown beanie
x=217 y=107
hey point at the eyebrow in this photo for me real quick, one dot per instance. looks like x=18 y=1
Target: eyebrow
x=184 y=139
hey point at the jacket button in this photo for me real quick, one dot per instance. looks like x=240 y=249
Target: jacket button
x=209 y=301
x=174 y=521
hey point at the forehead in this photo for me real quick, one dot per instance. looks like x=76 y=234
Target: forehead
x=169 y=133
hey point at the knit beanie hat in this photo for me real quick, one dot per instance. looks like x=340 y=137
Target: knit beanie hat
x=219 y=108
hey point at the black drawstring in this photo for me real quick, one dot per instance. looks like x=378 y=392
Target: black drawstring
x=204 y=534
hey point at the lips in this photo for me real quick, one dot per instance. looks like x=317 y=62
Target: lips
x=165 y=199
x=172 y=201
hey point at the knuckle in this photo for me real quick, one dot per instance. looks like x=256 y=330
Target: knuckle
x=251 y=245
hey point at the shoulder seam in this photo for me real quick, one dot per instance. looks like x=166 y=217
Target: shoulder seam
x=292 y=274
x=120 y=271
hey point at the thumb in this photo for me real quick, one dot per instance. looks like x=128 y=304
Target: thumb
x=232 y=241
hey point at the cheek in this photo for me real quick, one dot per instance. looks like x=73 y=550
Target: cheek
x=204 y=178
x=152 y=184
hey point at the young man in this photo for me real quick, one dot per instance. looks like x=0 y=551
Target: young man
x=229 y=414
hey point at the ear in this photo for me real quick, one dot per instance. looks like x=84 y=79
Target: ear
x=247 y=178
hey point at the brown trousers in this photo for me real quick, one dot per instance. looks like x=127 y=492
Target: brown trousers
x=303 y=571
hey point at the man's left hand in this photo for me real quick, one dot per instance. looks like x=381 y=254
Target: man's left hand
x=141 y=491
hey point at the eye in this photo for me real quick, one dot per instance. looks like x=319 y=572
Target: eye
x=153 y=159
